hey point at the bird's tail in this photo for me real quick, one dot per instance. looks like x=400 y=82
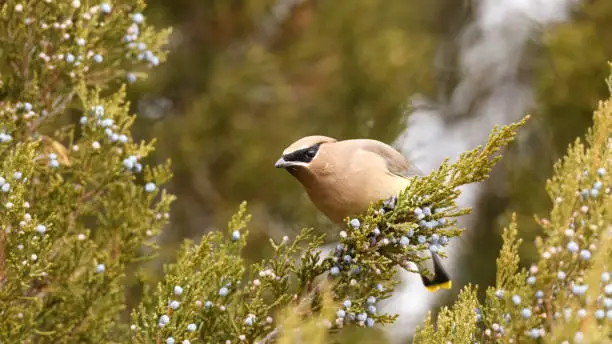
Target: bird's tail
x=440 y=279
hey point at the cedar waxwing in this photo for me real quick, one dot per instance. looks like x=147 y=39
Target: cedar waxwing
x=342 y=179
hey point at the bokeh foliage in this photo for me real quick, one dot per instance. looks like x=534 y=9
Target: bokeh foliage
x=241 y=91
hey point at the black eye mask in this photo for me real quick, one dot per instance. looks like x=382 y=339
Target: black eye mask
x=304 y=155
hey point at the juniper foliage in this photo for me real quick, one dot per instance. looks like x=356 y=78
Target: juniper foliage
x=566 y=296
x=78 y=203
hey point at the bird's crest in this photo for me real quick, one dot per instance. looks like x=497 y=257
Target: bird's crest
x=306 y=142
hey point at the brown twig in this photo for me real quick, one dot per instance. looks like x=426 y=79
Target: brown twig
x=270 y=337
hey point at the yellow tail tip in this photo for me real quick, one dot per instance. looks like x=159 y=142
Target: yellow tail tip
x=435 y=287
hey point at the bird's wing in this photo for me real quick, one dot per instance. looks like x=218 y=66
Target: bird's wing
x=396 y=163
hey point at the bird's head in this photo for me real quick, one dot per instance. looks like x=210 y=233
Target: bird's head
x=301 y=153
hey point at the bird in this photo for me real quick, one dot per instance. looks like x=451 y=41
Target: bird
x=344 y=177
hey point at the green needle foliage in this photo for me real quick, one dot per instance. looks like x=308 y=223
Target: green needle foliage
x=566 y=296
x=78 y=206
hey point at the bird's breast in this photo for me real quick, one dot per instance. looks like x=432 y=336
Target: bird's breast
x=339 y=197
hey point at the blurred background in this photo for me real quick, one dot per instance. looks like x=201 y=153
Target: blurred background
x=432 y=77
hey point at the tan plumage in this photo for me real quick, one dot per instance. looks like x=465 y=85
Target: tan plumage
x=346 y=176
x=342 y=178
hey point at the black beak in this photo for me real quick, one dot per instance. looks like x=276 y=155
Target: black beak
x=281 y=163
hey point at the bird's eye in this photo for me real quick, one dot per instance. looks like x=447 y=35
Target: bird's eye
x=311 y=153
